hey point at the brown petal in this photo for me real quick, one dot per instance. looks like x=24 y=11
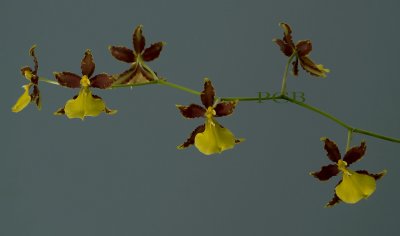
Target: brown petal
x=139 y=40
x=355 y=153
x=225 y=108
x=326 y=172
x=285 y=47
x=375 y=176
x=68 y=79
x=287 y=34
x=87 y=64
x=192 y=111
x=335 y=200
x=332 y=150
x=312 y=68
x=295 y=65
x=122 y=53
x=59 y=112
x=190 y=140
x=208 y=94
x=35 y=60
x=153 y=51
x=303 y=47
x=101 y=81
x=35 y=97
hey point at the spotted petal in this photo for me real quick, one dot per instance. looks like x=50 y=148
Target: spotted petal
x=192 y=111
x=312 y=68
x=122 y=53
x=87 y=64
x=331 y=149
x=355 y=153
x=190 y=140
x=208 y=94
x=225 y=108
x=214 y=139
x=355 y=186
x=153 y=51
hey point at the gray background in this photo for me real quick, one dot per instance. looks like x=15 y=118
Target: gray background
x=122 y=175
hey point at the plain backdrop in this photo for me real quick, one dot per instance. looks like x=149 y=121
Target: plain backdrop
x=122 y=175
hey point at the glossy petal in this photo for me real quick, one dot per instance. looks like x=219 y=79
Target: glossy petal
x=190 y=140
x=153 y=51
x=84 y=105
x=312 y=68
x=331 y=149
x=303 y=47
x=192 y=111
x=208 y=94
x=101 y=81
x=23 y=100
x=122 y=53
x=68 y=79
x=225 y=108
x=139 y=40
x=214 y=139
x=355 y=186
x=355 y=154
x=87 y=64
x=326 y=172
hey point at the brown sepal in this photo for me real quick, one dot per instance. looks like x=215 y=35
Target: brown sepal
x=60 y=111
x=303 y=47
x=87 y=64
x=122 y=53
x=332 y=150
x=375 y=176
x=153 y=51
x=68 y=79
x=287 y=34
x=35 y=60
x=35 y=97
x=208 y=94
x=285 y=48
x=295 y=65
x=326 y=172
x=101 y=81
x=192 y=111
x=25 y=68
x=139 y=40
x=308 y=65
x=335 y=200
x=190 y=140
x=225 y=108
x=355 y=153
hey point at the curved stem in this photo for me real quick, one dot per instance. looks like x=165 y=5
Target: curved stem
x=259 y=98
x=283 y=89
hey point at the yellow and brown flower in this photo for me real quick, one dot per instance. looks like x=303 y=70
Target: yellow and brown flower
x=85 y=103
x=300 y=50
x=210 y=137
x=33 y=78
x=354 y=185
x=139 y=72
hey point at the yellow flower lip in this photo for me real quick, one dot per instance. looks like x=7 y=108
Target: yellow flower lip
x=28 y=74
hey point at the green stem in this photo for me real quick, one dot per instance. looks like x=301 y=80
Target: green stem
x=281 y=97
x=283 y=89
x=349 y=136
x=172 y=85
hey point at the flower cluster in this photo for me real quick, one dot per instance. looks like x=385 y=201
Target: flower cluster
x=355 y=185
x=211 y=137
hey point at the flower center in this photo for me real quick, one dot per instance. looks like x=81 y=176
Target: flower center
x=210 y=112
x=85 y=82
x=342 y=166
